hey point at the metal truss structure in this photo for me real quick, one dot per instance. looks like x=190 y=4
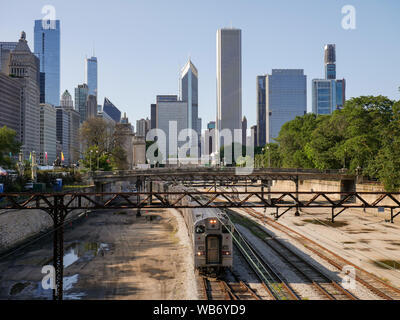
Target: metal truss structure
x=59 y=205
x=228 y=175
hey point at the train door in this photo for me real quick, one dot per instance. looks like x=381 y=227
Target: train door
x=213 y=249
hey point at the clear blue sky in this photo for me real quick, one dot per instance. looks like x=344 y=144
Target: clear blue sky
x=141 y=45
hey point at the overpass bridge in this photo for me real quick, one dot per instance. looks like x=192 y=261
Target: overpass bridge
x=229 y=174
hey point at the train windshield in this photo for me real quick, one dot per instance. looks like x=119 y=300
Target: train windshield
x=200 y=229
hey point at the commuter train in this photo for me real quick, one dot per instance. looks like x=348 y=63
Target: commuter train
x=210 y=232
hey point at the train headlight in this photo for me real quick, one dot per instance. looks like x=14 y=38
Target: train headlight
x=226 y=253
x=200 y=253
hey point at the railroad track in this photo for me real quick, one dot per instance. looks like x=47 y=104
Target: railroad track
x=310 y=274
x=365 y=278
x=271 y=279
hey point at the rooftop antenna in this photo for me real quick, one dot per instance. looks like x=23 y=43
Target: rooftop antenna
x=94 y=53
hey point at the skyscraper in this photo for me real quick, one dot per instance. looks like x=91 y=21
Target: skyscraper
x=91 y=75
x=63 y=132
x=229 y=80
x=244 y=131
x=91 y=107
x=10 y=103
x=47 y=49
x=330 y=61
x=285 y=98
x=48 y=134
x=73 y=126
x=153 y=116
x=24 y=66
x=142 y=127
x=261 y=112
x=81 y=95
x=111 y=110
x=189 y=93
x=5 y=49
x=328 y=94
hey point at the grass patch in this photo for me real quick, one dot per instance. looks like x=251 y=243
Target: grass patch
x=387 y=264
x=252 y=226
x=327 y=222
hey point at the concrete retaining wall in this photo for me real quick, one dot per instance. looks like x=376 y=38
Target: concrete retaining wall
x=17 y=226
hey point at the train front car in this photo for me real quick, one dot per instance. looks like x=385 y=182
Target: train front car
x=212 y=241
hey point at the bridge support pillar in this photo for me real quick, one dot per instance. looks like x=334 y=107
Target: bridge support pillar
x=58 y=248
x=297 y=213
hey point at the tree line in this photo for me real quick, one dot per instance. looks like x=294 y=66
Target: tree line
x=364 y=137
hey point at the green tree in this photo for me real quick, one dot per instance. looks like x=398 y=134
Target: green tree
x=293 y=138
x=8 y=145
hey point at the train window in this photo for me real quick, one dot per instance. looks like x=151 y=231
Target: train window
x=200 y=229
x=226 y=228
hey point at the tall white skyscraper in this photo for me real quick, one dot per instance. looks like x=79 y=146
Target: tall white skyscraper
x=229 y=80
x=91 y=75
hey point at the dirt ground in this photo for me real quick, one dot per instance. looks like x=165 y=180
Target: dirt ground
x=109 y=255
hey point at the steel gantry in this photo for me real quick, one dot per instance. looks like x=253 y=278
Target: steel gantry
x=59 y=205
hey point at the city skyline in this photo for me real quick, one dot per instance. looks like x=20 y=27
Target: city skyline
x=264 y=48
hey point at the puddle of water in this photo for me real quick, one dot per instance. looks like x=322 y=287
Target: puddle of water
x=68 y=285
x=87 y=250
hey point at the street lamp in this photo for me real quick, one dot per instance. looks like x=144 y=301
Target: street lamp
x=97 y=153
x=269 y=157
x=90 y=160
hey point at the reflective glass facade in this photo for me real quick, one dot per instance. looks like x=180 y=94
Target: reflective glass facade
x=47 y=49
x=91 y=75
x=261 y=111
x=111 y=110
x=286 y=98
x=328 y=95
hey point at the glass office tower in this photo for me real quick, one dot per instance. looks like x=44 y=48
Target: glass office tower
x=285 y=98
x=47 y=49
x=111 y=110
x=91 y=75
x=328 y=94
x=261 y=111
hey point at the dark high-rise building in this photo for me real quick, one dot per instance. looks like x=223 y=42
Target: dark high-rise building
x=10 y=103
x=261 y=112
x=244 y=131
x=5 y=49
x=91 y=107
x=47 y=49
x=254 y=135
x=63 y=133
x=81 y=96
x=153 y=116
x=42 y=87
x=111 y=110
